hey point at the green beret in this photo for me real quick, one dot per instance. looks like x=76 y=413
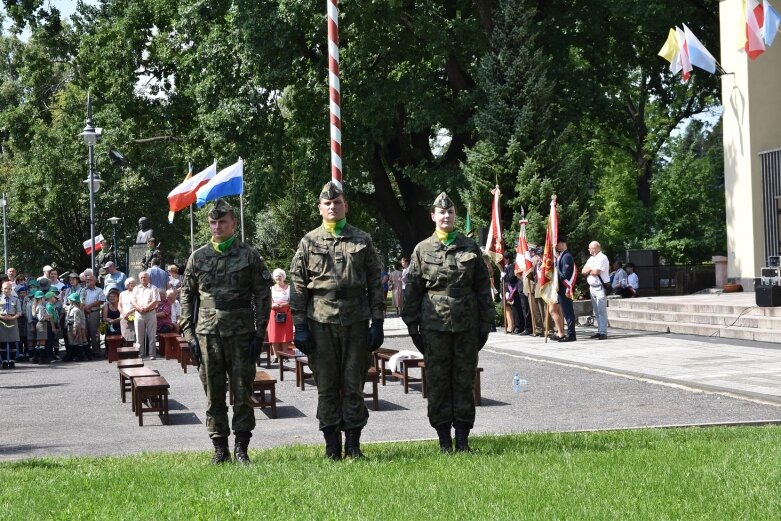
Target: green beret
x=74 y=297
x=330 y=191
x=220 y=209
x=442 y=201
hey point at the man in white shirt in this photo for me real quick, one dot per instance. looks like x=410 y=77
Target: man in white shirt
x=632 y=282
x=597 y=271
x=146 y=297
x=92 y=298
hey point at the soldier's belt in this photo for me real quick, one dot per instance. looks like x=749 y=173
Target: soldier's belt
x=225 y=305
x=339 y=294
x=453 y=292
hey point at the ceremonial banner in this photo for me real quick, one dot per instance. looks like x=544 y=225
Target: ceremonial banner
x=548 y=280
x=88 y=244
x=494 y=246
x=523 y=249
x=185 y=194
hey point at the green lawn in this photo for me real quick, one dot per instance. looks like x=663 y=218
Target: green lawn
x=714 y=474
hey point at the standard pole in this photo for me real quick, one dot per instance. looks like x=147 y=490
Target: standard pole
x=334 y=92
x=114 y=240
x=192 y=231
x=5 y=237
x=241 y=212
x=92 y=203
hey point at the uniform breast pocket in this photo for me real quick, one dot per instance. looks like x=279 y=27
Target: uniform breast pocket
x=317 y=259
x=238 y=272
x=207 y=273
x=431 y=266
x=356 y=254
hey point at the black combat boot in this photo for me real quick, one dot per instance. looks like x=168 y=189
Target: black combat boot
x=352 y=444
x=462 y=440
x=222 y=453
x=445 y=440
x=333 y=443
x=240 y=450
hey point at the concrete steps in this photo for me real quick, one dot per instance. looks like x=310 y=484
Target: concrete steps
x=703 y=315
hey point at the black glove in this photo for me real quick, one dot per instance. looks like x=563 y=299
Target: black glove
x=482 y=337
x=255 y=346
x=376 y=335
x=195 y=350
x=303 y=339
x=417 y=338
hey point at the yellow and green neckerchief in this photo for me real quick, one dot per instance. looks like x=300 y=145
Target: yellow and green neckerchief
x=336 y=228
x=446 y=238
x=222 y=247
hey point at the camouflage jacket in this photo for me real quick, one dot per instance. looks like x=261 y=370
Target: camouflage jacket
x=336 y=280
x=448 y=287
x=230 y=292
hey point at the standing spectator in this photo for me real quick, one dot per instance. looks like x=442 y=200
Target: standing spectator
x=10 y=311
x=384 y=279
x=54 y=281
x=404 y=272
x=596 y=271
x=397 y=288
x=536 y=304
x=127 y=312
x=40 y=320
x=52 y=326
x=176 y=308
x=449 y=313
x=512 y=316
x=567 y=276
x=113 y=278
x=11 y=273
x=73 y=287
x=92 y=298
x=152 y=252
x=157 y=275
x=76 y=324
x=280 y=321
x=146 y=297
x=336 y=289
x=226 y=345
x=617 y=276
x=24 y=302
x=111 y=315
x=174 y=279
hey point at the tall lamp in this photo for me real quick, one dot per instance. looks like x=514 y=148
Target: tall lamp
x=91 y=135
x=114 y=221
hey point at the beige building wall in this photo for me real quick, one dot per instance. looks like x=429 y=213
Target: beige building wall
x=751 y=98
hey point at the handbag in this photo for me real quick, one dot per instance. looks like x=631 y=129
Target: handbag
x=280 y=317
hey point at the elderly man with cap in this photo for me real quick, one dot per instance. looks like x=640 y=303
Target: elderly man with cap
x=449 y=313
x=226 y=298
x=336 y=288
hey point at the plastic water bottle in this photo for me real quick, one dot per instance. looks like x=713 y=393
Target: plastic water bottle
x=517 y=382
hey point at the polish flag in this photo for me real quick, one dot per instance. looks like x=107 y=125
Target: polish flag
x=523 y=249
x=88 y=245
x=494 y=246
x=755 y=20
x=184 y=195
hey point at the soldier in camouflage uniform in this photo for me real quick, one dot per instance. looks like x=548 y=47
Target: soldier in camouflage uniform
x=226 y=299
x=448 y=312
x=335 y=289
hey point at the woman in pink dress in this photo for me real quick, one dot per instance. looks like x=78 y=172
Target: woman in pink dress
x=280 y=322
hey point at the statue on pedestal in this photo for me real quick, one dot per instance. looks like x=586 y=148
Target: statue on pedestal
x=145 y=231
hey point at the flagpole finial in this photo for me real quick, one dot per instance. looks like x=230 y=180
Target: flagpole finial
x=553 y=198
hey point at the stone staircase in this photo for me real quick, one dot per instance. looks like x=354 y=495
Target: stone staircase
x=725 y=315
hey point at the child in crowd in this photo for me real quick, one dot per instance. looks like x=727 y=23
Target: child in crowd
x=52 y=343
x=23 y=353
x=39 y=321
x=10 y=310
x=77 y=329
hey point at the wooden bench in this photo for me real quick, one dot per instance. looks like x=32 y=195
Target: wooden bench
x=169 y=345
x=130 y=362
x=266 y=349
x=381 y=357
x=126 y=375
x=153 y=389
x=126 y=353
x=263 y=382
x=373 y=376
x=113 y=342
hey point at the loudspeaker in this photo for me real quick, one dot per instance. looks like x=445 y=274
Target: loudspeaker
x=768 y=296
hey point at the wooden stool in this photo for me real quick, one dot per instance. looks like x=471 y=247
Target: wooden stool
x=125 y=353
x=185 y=356
x=169 y=345
x=406 y=365
x=373 y=376
x=126 y=375
x=130 y=362
x=381 y=357
x=302 y=362
x=287 y=354
x=113 y=342
x=154 y=389
x=263 y=382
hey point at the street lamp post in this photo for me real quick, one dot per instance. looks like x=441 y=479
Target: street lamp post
x=5 y=236
x=91 y=135
x=114 y=221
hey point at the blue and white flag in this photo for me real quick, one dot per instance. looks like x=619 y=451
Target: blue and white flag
x=228 y=181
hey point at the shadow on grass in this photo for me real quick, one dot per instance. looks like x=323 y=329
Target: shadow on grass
x=34 y=463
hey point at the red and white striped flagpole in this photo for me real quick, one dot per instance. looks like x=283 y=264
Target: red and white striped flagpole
x=334 y=89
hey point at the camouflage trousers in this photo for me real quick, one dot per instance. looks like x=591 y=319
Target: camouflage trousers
x=340 y=363
x=451 y=361
x=226 y=361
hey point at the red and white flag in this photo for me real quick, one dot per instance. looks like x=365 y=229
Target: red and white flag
x=755 y=21
x=548 y=280
x=683 y=56
x=184 y=195
x=494 y=246
x=88 y=245
x=523 y=249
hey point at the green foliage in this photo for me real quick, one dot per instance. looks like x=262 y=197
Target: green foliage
x=689 y=212
x=715 y=473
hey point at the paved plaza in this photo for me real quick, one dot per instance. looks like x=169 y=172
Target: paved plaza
x=634 y=379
